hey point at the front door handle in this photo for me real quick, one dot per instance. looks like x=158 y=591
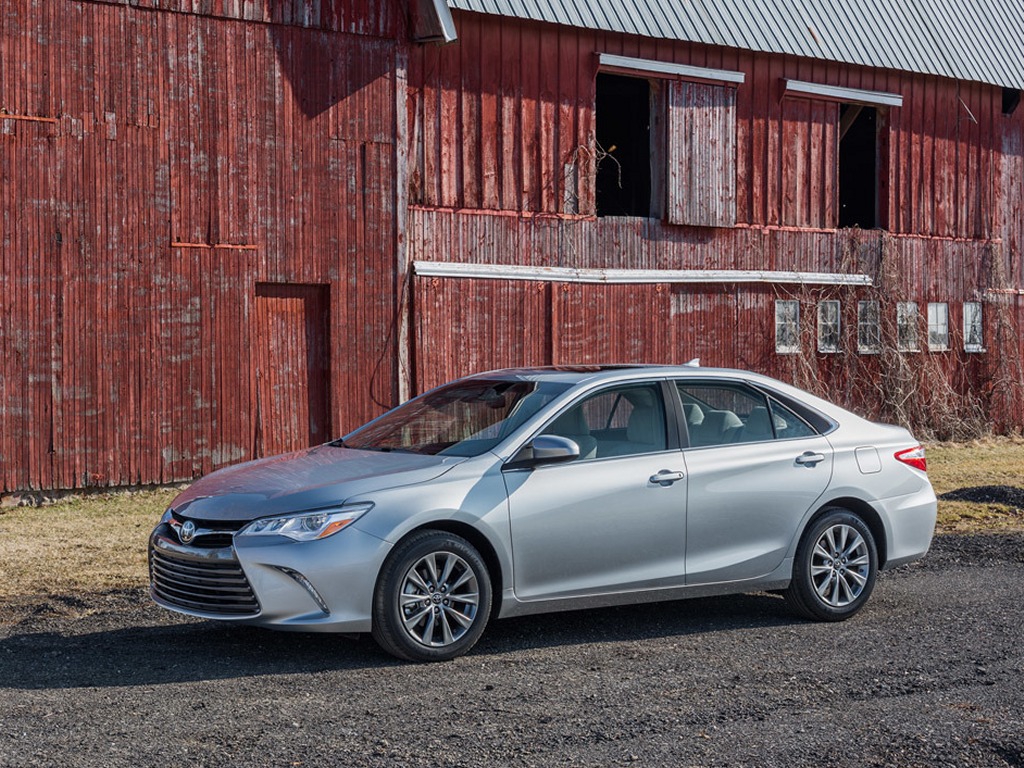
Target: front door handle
x=666 y=477
x=809 y=459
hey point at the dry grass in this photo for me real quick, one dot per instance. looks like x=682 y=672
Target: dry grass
x=79 y=544
x=991 y=461
x=98 y=542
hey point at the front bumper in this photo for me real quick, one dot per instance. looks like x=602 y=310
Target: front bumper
x=275 y=582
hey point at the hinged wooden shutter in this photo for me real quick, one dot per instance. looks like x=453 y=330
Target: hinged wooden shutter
x=701 y=154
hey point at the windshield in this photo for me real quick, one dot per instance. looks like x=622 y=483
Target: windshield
x=465 y=418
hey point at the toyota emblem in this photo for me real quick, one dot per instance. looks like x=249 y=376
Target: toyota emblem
x=187 y=532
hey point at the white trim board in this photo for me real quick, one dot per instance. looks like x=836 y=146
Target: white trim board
x=627 y=276
x=838 y=93
x=654 y=68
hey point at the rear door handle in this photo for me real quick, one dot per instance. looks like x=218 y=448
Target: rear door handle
x=666 y=477
x=808 y=459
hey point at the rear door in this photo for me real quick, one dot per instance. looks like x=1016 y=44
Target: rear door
x=754 y=470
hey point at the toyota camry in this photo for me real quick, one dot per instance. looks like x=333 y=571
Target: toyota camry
x=546 y=489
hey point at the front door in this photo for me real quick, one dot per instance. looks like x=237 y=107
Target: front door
x=604 y=522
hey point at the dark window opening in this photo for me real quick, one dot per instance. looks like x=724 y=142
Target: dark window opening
x=623 y=125
x=858 y=166
x=1011 y=98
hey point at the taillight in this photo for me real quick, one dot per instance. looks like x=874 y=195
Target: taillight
x=914 y=457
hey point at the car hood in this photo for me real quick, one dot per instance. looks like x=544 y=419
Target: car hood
x=309 y=479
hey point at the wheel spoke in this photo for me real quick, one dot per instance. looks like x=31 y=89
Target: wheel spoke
x=446 y=572
x=416 y=618
x=830 y=537
x=858 y=542
x=461 y=618
x=822 y=588
x=834 y=598
x=857 y=577
x=844 y=588
x=446 y=630
x=428 y=630
x=415 y=578
x=469 y=598
x=467 y=575
x=409 y=599
x=431 y=564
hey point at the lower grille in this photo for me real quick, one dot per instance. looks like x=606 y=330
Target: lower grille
x=208 y=586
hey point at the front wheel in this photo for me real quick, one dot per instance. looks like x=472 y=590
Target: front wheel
x=835 y=567
x=433 y=598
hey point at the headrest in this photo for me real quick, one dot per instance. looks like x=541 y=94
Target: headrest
x=694 y=415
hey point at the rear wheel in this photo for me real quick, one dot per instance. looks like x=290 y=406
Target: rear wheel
x=835 y=568
x=433 y=598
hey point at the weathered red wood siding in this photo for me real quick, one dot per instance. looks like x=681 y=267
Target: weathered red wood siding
x=502 y=172
x=156 y=166
x=524 y=92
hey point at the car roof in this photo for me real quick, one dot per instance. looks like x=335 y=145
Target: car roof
x=575 y=374
x=595 y=374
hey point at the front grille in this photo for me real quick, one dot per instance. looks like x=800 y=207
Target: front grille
x=210 y=534
x=208 y=586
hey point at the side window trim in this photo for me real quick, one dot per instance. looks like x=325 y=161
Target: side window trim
x=672 y=436
x=818 y=423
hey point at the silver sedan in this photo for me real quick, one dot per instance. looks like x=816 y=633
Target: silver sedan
x=546 y=489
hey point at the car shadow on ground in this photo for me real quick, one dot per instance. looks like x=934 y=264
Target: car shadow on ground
x=194 y=650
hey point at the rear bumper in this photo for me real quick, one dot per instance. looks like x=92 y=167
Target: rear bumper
x=909 y=526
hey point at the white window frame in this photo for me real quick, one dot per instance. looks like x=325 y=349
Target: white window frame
x=938 y=326
x=830 y=324
x=974 y=327
x=869 y=324
x=906 y=327
x=787 y=324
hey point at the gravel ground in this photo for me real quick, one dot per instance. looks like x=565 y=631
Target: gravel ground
x=930 y=674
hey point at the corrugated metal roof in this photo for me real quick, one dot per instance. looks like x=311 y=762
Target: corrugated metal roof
x=964 y=39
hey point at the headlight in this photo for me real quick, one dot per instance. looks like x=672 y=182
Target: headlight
x=307 y=526
x=166 y=517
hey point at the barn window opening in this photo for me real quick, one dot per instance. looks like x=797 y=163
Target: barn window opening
x=938 y=326
x=787 y=326
x=869 y=328
x=828 y=326
x=623 y=121
x=858 y=166
x=1011 y=99
x=973 y=339
x=906 y=326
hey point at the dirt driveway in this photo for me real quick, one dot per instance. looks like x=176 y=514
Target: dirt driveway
x=930 y=674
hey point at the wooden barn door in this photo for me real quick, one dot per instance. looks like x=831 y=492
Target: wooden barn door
x=292 y=371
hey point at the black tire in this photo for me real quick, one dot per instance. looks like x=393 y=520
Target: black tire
x=432 y=599
x=833 y=581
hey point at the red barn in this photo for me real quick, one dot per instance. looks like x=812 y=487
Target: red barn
x=234 y=227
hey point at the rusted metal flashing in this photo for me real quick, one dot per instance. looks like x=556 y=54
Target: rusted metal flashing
x=29 y=118
x=216 y=246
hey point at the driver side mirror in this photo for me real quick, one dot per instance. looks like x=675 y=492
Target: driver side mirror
x=545 y=449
